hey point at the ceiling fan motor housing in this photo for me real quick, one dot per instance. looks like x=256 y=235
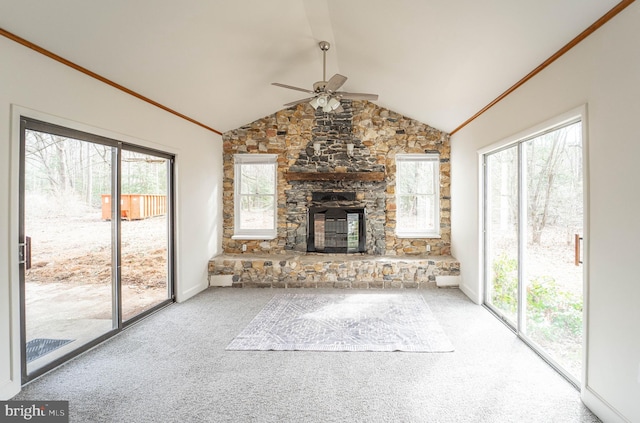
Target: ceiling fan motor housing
x=319 y=86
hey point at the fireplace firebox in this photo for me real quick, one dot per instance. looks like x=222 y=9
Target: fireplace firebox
x=336 y=230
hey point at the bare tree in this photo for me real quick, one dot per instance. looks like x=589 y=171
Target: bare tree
x=60 y=166
x=544 y=154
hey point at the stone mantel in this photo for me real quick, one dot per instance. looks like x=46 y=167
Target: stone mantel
x=335 y=176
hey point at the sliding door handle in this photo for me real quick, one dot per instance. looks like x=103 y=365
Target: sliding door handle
x=24 y=253
x=577 y=240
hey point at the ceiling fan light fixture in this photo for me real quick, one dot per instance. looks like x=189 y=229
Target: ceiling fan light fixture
x=325 y=102
x=333 y=103
x=322 y=101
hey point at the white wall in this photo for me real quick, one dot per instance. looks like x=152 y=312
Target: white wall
x=604 y=72
x=40 y=86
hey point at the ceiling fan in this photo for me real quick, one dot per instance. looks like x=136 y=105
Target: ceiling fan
x=325 y=93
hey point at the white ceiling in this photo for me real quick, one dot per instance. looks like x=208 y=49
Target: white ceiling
x=437 y=61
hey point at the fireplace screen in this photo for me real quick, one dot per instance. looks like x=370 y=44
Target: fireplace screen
x=336 y=230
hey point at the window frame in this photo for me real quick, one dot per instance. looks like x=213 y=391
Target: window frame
x=426 y=233
x=253 y=159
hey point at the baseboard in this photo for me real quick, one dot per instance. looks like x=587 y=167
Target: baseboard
x=473 y=296
x=184 y=296
x=601 y=408
x=9 y=389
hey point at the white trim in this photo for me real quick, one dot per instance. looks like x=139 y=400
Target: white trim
x=409 y=234
x=479 y=293
x=184 y=296
x=256 y=236
x=258 y=158
x=473 y=296
x=586 y=292
x=425 y=157
x=14 y=384
x=601 y=408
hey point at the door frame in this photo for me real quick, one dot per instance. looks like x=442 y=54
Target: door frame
x=579 y=113
x=88 y=134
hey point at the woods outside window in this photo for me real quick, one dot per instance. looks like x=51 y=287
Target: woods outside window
x=418 y=195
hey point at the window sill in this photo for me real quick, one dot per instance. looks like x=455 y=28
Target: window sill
x=418 y=235
x=255 y=237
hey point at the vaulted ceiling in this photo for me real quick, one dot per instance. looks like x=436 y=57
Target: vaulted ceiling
x=437 y=61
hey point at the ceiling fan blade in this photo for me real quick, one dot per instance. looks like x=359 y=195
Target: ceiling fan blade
x=335 y=82
x=357 y=96
x=304 y=100
x=291 y=87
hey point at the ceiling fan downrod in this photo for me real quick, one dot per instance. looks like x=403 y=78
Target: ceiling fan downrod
x=324 y=46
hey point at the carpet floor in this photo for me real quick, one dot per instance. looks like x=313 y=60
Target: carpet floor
x=173 y=367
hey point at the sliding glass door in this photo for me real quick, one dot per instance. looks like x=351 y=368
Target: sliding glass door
x=553 y=228
x=533 y=232
x=145 y=231
x=92 y=258
x=501 y=241
x=68 y=275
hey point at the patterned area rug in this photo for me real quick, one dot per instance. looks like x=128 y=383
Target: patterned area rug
x=344 y=322
x=38 y=347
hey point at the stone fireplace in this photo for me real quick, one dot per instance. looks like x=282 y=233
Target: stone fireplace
x=352 y=153
x=335 y=171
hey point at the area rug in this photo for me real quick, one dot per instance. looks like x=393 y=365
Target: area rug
x=39 y=347
x=344 y=322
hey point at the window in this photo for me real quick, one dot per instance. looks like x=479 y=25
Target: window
x=417 y=195
x=255 y=196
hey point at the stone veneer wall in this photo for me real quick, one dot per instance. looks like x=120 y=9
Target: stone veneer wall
x=333 y=271
x=378 y=135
